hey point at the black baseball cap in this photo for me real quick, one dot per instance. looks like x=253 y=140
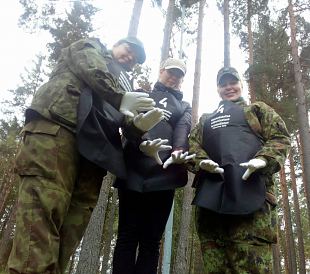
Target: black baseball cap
x=137 y=46
x=227 y=70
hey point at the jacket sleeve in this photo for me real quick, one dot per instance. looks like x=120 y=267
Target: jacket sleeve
x=275 y=136
x=86 y=60
x=182 y=129
x=195 y=146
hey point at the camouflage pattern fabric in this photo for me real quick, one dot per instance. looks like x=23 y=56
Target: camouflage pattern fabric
x=57 y=193
x=237 y=244
x=83 y=63
x=264 y=122
x=242 y=244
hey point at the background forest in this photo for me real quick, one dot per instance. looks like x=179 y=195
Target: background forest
x=275 y=38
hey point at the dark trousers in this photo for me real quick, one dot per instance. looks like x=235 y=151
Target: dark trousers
x=142 y=221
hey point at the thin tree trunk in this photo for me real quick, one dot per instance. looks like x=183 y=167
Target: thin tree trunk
x=110 y=232
x=181 y=264
x=303 y=120
x=197 y=74
x=276 y=259
x=6 y=190
x=226 y=34
x=167 y=30
x=303 y=174
x=301 y=249
x=290 y=244
x=91 y=245
x=135 y=18
x=181 y=258
x=7 y=238
x=283 y=249
x=251 y=58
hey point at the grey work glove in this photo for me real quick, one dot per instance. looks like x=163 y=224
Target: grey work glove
x=133 y=102
x=152 y=148
x=178 y=157
x=252 y=166
x=146 y=121
x=210 y=166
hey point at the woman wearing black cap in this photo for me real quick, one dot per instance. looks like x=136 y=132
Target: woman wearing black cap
x=238 y=148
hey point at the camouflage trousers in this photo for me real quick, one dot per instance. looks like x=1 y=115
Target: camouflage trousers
x=237 y=244
x=57 y=193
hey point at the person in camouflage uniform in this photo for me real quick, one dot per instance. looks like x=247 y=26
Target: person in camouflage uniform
x=235 y=215
x=59 y=188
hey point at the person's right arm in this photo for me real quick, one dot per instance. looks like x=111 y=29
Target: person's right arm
x=85 y=59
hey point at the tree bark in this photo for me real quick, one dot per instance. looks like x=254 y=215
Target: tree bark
x=276 y=259
x=301 y=249
x=110 y=232
x=251 y=55
x=290 y=244
x=226 y=34
x=303 y=174
x=91 y=245
x=168 y=30
x=302 y=113
x=181 y=262
x=135 y=18
x=7 y=237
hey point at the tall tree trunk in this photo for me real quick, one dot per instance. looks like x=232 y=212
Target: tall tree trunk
x=290 y=244
x=91 y=245
x=110 y=232
x=283 y=249
x=302 y=112
x=7 y=237
x=301 y=249
x=197 y=75
x=226 y=34
x=135 y=18
x=251 y=54
x=276 y=259
x=168 y=30
x=181 y=265
x=303 y=174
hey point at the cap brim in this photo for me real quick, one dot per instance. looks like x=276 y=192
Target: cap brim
x=228 y=73
x=171 y=67
x=139 y=52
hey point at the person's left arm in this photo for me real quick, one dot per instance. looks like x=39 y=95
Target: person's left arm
x=182 y=129
x=269 y=125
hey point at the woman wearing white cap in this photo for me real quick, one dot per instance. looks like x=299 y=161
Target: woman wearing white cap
x=146 y=196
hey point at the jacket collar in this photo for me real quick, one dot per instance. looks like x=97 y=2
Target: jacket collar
x=161 y=87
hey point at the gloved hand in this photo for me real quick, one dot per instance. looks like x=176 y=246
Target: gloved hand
x=133 y=102
x=252 y=166
x=210 y=166
x=178 y=157
x=151 y=148
x=145 y=121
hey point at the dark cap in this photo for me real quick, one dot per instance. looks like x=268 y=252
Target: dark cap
x=137 y=46
x=171 y=63
x=227 y=70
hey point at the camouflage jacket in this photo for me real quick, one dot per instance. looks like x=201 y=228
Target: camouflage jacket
x=264 y=121
x=83 y=63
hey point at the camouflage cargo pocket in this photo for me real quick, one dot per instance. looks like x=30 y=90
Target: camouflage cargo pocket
x=259 y=227
x=64 y=107
x=38 y=152
x=265 y=223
